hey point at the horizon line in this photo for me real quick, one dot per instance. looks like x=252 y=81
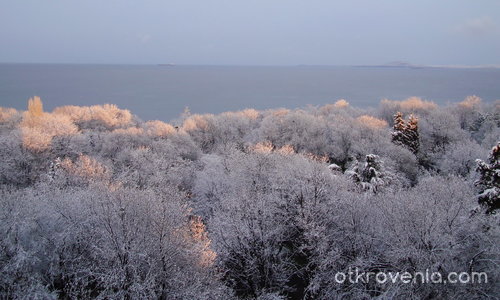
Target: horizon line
x=386 y=65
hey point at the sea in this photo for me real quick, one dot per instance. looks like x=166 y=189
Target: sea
x=162 y=92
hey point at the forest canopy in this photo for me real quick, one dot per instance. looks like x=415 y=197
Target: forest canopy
x=96 y=203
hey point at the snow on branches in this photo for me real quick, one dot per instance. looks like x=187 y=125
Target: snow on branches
x=372 y=175
x=489 y=180
x=405 y=133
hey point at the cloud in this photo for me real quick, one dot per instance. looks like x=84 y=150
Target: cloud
x=477 y=27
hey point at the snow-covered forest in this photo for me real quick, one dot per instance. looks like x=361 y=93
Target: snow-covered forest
x=96 y=203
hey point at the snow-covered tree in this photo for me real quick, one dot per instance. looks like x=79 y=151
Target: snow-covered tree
x=405 y=133
x=95 y=203
x=426 y=227
x=412 y=105
x=461 y=159
x=469 y=113
x=372 y=175
x=489 y=180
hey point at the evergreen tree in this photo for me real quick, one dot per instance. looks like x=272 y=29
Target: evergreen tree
x=406 y=132
x=372 y=175
x=489 y=180
x=411 y=132
x=399 y=128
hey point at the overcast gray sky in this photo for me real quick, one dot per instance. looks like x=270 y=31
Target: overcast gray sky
x=258 y=32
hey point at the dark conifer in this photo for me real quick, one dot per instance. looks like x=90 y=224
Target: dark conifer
x=489 y=180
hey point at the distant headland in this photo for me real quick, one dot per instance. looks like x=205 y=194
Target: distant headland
x=408 y=65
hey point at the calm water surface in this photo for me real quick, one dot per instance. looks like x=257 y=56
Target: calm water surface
x=162 y=92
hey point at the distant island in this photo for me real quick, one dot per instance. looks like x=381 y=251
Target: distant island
x=404 y=64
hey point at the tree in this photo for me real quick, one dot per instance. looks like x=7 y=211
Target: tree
x=427 y=227
x=102 y=242
x=249 y=203
x=469 y=113
x=489 y=180
x=406 y=133
x=413 y=143
x=35 y=106
x=372 y=175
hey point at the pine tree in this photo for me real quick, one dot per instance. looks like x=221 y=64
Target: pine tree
x=411 y=134
x=489 y=180
x=406 y=133
x=372 y=175
x=399 y=128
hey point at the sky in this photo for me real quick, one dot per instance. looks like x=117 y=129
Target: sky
x=252 y=32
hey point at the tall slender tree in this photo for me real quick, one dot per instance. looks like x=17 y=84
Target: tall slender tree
x=405 y=133
x=489 y=180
